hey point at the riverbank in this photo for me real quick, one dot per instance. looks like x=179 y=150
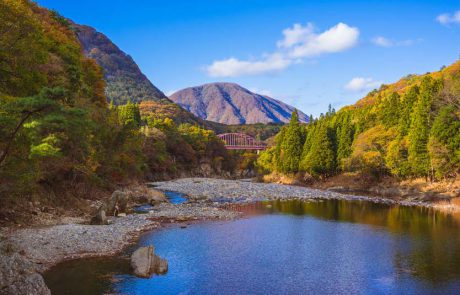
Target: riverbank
x=26 y=253
x=390 y=187
x=222 y=190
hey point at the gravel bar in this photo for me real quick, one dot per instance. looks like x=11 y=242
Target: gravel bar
x=243 y=191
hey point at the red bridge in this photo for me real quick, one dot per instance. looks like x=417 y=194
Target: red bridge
x=240 y=141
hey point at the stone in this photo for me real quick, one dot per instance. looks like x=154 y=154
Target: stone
x=32 y=284
x=120 y=198
x=18 y=276
x=100 y=218
x=151 y=196
x=145 y=263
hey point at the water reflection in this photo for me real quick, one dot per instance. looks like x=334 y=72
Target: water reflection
x=332 y=246
x=434 y=251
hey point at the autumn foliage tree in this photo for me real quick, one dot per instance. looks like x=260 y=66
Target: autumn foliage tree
x=407 y=129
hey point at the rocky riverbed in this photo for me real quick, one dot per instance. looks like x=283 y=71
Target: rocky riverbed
x=26 y=253
x=245 y=191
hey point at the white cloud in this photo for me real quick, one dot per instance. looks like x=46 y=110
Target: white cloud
x=359 y=84
x=384 y=42
x=338 y=38
x=447 y=18
x=298 y=42
x=233 y=67
x=295 y=35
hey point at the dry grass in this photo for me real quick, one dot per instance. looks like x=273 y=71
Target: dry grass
x=450 y=187
x=290 y=179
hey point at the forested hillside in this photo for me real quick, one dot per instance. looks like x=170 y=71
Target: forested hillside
x=58 y=134
x=124 y=79
x=408 y=129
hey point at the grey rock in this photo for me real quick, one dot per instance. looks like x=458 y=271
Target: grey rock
x=18 y=276
x=32 y=284
x=100 y=218
x=118 y=198
x=145 y=263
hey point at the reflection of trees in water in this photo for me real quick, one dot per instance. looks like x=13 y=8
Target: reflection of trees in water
x=427 y=244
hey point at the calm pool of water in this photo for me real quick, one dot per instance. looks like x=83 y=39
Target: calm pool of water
x=290 y=247
x=173 y=197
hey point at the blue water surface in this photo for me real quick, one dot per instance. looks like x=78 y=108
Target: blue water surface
x=330 y=247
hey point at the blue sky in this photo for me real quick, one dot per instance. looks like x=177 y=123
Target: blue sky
x=305 y=53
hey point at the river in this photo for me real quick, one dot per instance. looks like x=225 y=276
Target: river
x=289 y=247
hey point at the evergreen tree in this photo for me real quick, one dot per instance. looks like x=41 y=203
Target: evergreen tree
x=320 y=160
x=420 y=127
x=291 y=147
x=390 y=110
x=407 y=105
x=310 y=135
x=345 y=140
x=444 y=143
x=130 y=114
x=277 y=162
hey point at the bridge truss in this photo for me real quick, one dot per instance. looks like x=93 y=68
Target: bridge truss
x=241 y=141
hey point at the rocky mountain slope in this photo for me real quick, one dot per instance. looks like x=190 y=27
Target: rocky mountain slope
x=123 y=77
x=125 y=81
x=229 y=103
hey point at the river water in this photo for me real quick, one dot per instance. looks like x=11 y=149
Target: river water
x=289 y=247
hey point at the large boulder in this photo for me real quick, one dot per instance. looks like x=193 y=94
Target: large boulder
x=120 y=198
x=145 y=263
x=19 y=276
x=153 y=197
x=32 y=284
x=146 y=195
x=100 y=218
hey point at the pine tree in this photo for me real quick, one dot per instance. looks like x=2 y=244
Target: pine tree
x=390 y=110
x=310 y=135
x=279 y=138
x=345 y=140
x=419 y=159
x=130 y=114
x=320 y=160
x=407 y=105
x=444 y=143
x=291 y=147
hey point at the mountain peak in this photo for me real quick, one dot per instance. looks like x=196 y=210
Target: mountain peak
x=124 y=78
x=230 y=103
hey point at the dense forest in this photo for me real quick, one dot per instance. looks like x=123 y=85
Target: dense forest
x=58 y=134
x=408 y=129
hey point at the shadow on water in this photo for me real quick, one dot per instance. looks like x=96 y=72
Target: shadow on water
x=86 y=276
x=351 y=246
